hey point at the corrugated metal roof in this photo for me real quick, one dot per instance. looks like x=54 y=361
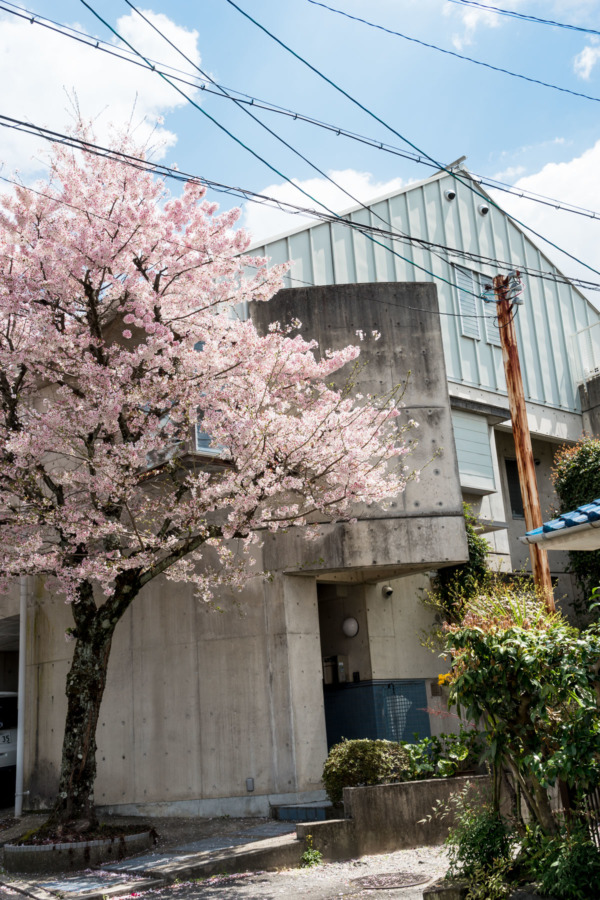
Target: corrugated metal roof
x=577 y=530
x=332 y=253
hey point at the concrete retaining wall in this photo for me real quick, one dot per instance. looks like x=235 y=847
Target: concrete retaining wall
x=386 y=817
x=40 y=858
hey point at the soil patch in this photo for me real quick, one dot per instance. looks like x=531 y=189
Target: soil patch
x=44 y=835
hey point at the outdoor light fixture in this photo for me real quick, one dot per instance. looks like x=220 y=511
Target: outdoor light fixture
x=350 y=627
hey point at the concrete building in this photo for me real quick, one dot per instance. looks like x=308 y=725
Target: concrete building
x=558 y=332
x=208 y=712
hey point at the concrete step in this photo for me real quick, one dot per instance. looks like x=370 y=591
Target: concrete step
x=155 y=871
x=317 y=811
x=274 y=853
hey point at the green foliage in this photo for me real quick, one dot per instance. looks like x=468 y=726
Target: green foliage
x=576 y=478
x=491 y=884
x=535 y=681
x=311 y=856
x=536 y=688
x=365 y=761
x=445 y=755
x=567 y=866
x=479 y=841
x=357 y=762
x=454 y=586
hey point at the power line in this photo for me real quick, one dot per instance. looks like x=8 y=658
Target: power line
x=224 y=92
x=245 y=194
x=270 y=131
x=87 y=212
x=262 y=159
x=406 y=140
x=477 y=62
x=526 y=17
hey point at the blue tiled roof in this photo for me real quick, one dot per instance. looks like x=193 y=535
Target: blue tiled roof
x=588 y=514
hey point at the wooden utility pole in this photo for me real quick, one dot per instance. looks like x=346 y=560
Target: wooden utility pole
x=520 y=426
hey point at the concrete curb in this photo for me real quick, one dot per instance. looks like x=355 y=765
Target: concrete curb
x=70 y=857
x=274 y=853
x=117 y=889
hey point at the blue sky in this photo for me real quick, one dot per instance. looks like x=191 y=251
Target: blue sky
x=522 y=133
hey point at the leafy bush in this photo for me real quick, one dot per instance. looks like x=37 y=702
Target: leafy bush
x=567 y=866
x=534 y=680
x=576 y=478
x=446 y=754
x=479 y=841
x=365 y=761
x=357 y=762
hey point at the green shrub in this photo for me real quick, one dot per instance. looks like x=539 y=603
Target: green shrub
x=357 y=762
x=576 y=477
x=568 y=866
x=491 y=884
x=479 y=841
x=445 y=754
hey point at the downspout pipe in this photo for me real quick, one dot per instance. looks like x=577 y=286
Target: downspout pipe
x=23 y=586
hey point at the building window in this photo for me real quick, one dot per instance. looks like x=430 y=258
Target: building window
x=473 y=451
x=514 y=489
x=475 y=283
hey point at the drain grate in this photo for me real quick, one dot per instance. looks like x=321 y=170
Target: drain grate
x=388 y=880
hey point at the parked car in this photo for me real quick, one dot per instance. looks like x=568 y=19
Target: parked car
x=8 y=747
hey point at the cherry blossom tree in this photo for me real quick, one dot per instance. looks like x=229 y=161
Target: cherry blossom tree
x=120 y=327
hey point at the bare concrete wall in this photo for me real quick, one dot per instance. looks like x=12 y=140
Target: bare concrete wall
x=405 y=317
x=209 y=712
x=197 y=700
x=589 y=396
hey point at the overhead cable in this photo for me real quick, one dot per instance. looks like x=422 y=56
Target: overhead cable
x=87 y=212
x=262 y=159
x=477 y=62
x=248 y=112
x=406 y=140
x=164 y=171
x=526 y=17
x=225 y=93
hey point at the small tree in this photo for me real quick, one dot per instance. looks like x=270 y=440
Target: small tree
x=109 y=290
x=534 y=680
x=576 y=478
x=454 y=586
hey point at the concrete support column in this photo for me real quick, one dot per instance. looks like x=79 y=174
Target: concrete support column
x=307 y=712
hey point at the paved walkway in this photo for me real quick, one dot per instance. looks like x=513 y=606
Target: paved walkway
x=176 y=870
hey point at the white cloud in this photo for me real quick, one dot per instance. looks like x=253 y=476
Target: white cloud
x=264 y=222
x=575 y=182
x=585 y=61
x=472 y=19
x=509 y=174
x=39 y=68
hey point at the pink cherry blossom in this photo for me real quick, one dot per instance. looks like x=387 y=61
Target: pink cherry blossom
x=99 y=491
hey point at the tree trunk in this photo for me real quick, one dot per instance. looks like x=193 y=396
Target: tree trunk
x=85 y=688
